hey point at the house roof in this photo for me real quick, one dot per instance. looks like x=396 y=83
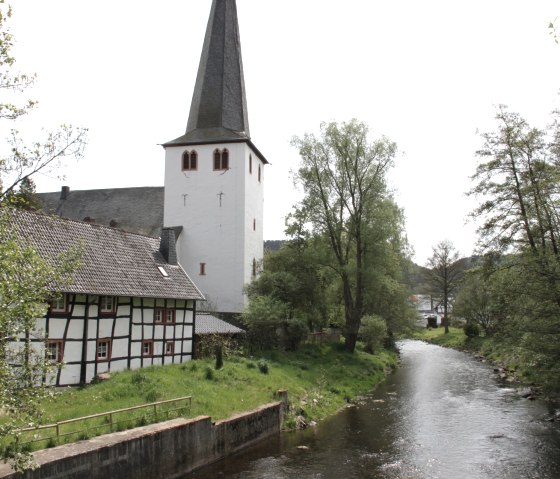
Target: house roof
x=113 y=263
x=208 y=324
x=138 y=210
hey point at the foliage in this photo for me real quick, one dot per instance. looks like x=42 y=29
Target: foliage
x=444 y=274
x=516 y=183
x=472 y=330
x=373 y=331
x=349 y=215
x=40 y=156
x=263 y=318
x=26 y=281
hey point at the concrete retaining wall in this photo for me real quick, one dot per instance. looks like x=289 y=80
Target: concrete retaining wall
x=164 y=450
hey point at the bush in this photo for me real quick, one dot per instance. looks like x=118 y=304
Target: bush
x=263 y=318
x=373 y=331
x=472 y=330
x=263 y=366
x=296 y=331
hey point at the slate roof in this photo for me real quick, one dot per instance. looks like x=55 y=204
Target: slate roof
x=138 y=210
x=208 y=324
x=218 y=111
x=114 y=262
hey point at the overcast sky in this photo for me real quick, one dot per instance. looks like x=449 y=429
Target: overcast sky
x=427 y=74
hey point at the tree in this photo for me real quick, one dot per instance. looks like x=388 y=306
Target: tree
x=343 y=176
x=40 y=156
x=27 y=281
x=26 y=285
x=444 y=274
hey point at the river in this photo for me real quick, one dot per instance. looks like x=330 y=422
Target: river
x=442 y=414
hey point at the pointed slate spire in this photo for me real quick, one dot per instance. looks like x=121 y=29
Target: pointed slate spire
x=219 y=107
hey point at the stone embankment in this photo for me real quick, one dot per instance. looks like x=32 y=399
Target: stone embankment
x=165 y=450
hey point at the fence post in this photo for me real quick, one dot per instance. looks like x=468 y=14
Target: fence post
x=111 y=421
x=57 y=430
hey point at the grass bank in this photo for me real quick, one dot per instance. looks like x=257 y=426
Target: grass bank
x=320 y=380
x=517 y=364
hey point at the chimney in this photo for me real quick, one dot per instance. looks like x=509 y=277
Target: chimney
x=167 y=245
x=64 y=192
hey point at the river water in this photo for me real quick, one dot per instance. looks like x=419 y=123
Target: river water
x=442 y=414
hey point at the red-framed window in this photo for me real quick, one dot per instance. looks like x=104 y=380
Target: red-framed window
x=59 y=304
x=107 y=305
x=202 y=271
x=147 y=348
x=221 y=159
x=54 y=350
x=103 y=349
x=169 y=348
x=164 y=315
x=190 y=160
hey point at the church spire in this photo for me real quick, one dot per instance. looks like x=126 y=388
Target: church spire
x=219 y=107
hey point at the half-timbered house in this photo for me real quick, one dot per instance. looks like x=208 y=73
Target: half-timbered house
x=129 y=303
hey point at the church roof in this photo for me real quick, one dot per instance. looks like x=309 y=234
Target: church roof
x=218 y=111
x=113 y=262
x=137 y=210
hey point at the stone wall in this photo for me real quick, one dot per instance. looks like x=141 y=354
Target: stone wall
x=164 y=450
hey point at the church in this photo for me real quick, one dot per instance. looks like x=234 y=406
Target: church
x=212 y=198
x=152 y=255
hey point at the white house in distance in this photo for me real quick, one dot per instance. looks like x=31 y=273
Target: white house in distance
x=214 y=179
x=129 y=304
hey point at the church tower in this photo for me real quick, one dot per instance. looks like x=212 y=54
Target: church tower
x=214 y=174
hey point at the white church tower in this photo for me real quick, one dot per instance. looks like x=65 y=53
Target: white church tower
x=214 y=174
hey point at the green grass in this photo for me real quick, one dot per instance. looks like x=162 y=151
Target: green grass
x=319 y=380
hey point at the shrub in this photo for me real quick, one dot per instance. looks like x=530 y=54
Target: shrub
x=472 y=330
x=373 y=330
x=296 y=331
x=208 y=373
x=263 y=366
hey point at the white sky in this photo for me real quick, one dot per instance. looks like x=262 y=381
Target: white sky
x=427 y=74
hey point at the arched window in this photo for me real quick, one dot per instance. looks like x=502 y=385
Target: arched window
x=189 y=160
x=221 y=159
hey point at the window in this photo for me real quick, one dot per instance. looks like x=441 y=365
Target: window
x=254 y=272
x=103 y=350
x=221 y=159
x=164 y=315
x=202 y=269
x=59 y=304
x=169 y=348
x=54 y=351
x=250 y=164
x=147 y=348
x=254 y=224
x=190 y=160
x=107 y=305
x=259 y=173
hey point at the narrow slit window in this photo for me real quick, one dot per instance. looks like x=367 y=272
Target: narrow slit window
x=202 y=269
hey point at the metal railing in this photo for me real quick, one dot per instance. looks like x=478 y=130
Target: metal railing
x=110 y=421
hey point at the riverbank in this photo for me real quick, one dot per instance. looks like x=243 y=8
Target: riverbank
x=320 y=380
x=513 y=364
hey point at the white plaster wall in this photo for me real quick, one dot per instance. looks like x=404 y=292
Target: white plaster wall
x=213 y=234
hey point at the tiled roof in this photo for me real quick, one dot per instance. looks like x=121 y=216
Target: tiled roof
x=114 y=262
x=208 y=324
x=139 y=210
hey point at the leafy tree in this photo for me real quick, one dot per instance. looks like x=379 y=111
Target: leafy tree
x=444 y=274
x=343 y=176
x=40 y=156
x=26 y=279
x=26 y=284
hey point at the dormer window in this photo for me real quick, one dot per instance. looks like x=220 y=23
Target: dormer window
x=190 y=160
x=221 y=159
